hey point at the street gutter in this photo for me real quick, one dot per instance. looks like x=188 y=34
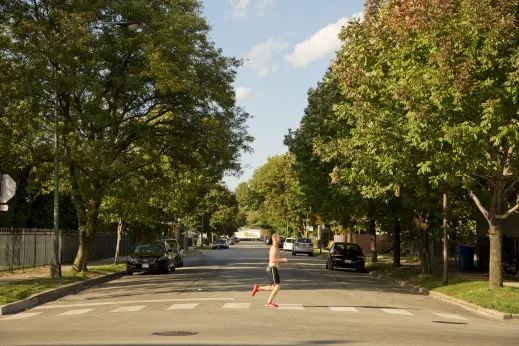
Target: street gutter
x=446 y=298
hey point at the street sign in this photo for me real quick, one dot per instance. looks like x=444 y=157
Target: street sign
x=7 y=188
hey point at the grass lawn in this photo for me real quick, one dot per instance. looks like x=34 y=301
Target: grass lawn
x=20 y=271
x=317 y=252
x=12 y=292
x=504 y=299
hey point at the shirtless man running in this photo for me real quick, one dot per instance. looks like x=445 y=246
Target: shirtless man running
x=272 y=273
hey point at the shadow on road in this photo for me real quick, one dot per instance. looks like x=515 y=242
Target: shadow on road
x=234 y=274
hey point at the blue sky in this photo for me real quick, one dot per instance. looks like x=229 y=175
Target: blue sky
x=288 y=45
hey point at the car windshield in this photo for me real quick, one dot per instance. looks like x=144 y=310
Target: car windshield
x=290 y=240
x=347 y=247
x=219 y=241
x=304 y=240
x=149 y=248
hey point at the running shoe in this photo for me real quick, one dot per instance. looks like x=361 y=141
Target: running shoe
x=271 y=305
x=255 y=290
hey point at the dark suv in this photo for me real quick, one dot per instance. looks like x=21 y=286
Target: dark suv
x=345 y=255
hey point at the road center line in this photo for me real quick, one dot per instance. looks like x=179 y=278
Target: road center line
x=131 y=302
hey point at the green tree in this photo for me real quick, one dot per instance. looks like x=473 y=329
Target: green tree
x=274 y=197
x=222 y=207
x=461 y=93
x=125 y=99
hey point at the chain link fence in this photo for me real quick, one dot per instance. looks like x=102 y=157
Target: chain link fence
x=22 y=248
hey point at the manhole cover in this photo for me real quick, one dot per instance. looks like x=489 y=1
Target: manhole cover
x=175 y=333
x=447 y=322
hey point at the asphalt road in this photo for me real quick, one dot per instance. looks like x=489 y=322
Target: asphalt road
x=211 y=296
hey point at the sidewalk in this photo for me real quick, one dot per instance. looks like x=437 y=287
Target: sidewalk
x=472 y=275
x=42 y=272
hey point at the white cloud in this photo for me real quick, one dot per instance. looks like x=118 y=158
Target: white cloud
x=242 y=93
x=240 y=8
x=262 y=5
x=320 y=44
x=259 y=56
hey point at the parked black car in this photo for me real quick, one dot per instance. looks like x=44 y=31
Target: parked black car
x=268 y=240
x=154 y=256
x=345 y=255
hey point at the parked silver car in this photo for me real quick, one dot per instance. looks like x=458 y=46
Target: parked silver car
x=220 y=244
x=303 y=245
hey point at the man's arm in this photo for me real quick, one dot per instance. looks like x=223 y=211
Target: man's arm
x=274 y=256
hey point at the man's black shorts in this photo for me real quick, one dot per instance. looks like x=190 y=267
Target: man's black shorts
x=273 y=274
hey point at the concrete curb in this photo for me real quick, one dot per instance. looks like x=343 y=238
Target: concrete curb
x=53 y=294
x=459 y=302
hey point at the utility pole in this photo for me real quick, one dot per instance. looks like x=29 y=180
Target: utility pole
x=187 y=230
x=445 y=235
x=55 y=267
x=202 y=234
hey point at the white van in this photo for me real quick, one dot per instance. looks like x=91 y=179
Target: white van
x=289 y=244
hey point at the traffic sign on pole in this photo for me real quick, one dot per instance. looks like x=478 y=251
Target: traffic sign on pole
x=7 y=189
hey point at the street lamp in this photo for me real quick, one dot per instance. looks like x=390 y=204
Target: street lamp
x=55 y=268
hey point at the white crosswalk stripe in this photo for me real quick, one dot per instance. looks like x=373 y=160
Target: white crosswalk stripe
x=343 y=308
x=129 y=308
x=182 y=306
x=450 y=316
x=20 y=316
x=397 y=312
x=75 y=312
x=291 y=306
x=236 y=306
x=190 y=306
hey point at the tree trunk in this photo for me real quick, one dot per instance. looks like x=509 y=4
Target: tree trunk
x=349 y=235
x=117 y=247
x=83 y=253
x=87 y=233
x=425 y=256
x=396 y=245
x=373 y=233
x=177 y=232
x=495 y=271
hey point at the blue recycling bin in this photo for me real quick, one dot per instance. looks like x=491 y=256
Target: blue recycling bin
x=465 y=257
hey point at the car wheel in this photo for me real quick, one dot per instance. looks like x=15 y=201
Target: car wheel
x=172 y=268
x=329 y=265
x=310 y=254
x=360 y=269
x=129 y=273
x=166 y=269
x=293 y=253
